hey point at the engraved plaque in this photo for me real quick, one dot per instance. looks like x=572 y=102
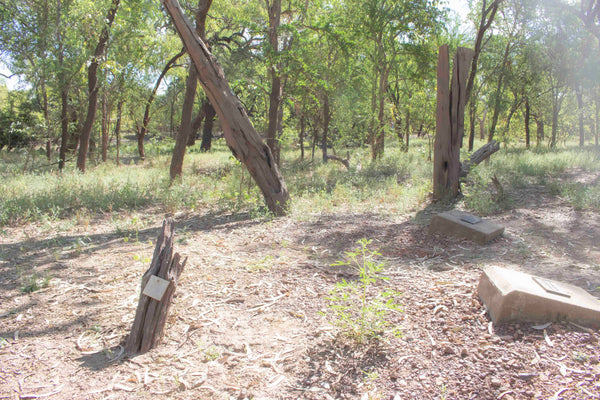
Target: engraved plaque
x=550 y=286
x=156 y=287
x=471 y=219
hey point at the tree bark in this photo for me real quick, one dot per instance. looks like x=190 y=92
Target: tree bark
x=146 y=119
x=243 y=140
x=93 y=86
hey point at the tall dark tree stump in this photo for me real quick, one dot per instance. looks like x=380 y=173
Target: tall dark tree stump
x=151 y=315
x=451 y=100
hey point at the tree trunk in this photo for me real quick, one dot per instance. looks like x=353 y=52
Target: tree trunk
x=527 y=121
x=274 y=10
x=196 y=124
x=241 y=137
x=499 y=91
x=185 y=125
x=407 y=130
x=580 y=114
x=146 y=119
x=539 y=121
x=93 y=87
x=442 y=154
x=301 y=137
x=326 y=120
x=486 y=19
x=151 y=314
x=118 y=126
x=555 y=111
x=105 y=122
x=449 y=121
x=209 y=120
x=597 y=121
x=472 y=119
x=64 y=126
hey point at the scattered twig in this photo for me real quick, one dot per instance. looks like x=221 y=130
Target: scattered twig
x=37 y=396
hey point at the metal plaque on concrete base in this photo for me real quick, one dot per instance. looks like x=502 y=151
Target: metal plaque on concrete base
x=516 y=296
x=465 y=225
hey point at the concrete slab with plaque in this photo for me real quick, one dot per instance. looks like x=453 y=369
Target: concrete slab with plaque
x=516 y=296
x=465 y=225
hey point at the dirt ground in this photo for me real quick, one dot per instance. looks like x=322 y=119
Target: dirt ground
x=249 y=320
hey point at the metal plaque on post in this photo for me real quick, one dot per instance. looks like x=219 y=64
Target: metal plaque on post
x=156 y=287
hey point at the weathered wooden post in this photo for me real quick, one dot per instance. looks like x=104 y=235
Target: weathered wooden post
x=158 y=287
x=241 y=137
x=451 y=100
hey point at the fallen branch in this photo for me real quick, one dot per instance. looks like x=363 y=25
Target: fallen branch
x=345 y=162
x=480 y=155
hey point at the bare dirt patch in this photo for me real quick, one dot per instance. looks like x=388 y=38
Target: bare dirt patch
x=247 y=320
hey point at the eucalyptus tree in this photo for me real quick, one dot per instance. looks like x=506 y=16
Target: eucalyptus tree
x=383 y=28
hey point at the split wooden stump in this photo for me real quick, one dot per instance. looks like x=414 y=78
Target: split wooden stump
x=158 y=287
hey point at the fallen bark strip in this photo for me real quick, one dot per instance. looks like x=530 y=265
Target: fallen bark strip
x=151 y=315
x=477 y=157
x=345 y=162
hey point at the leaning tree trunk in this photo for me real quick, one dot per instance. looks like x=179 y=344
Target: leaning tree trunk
x=241 y=137
x=93 y=87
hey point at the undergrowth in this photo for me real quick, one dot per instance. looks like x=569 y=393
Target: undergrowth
x=215 y=181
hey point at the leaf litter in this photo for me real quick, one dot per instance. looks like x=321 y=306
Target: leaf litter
x=249 y=319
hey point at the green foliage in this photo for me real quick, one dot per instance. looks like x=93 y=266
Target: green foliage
x=33 y=283
x=359 y=307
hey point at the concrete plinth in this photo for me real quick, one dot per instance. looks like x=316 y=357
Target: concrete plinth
x=465 y=225
x=516 y=296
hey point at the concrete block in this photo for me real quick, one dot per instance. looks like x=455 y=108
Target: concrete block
x=465 y=225
x=516 y=296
